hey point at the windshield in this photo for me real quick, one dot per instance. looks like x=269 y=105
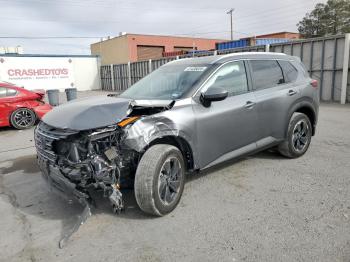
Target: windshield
x=168 y=82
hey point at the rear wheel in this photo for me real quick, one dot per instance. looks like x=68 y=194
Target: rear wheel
x=159 y=179
x=23 y=118
x=298 y=136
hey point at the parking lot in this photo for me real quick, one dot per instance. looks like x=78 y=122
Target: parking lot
x=260 y=208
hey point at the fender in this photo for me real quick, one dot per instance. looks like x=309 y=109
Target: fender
x=145 y=131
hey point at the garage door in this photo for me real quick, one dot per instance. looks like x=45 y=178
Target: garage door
x=149 y=52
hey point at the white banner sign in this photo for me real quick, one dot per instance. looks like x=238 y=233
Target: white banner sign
x=38 y=72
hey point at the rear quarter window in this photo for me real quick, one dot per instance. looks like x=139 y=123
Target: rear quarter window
x=290 y=72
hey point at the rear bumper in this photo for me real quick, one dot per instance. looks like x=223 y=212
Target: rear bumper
x=60 y=184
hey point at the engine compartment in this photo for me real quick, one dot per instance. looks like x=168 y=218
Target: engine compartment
x=91 y=160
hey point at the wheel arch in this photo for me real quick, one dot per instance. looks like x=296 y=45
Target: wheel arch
x=306 y=107
x=181 y=143
x=22 y=107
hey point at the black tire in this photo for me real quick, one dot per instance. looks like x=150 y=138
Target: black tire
x=298 y=136
x=23 y=118
x=151 y=178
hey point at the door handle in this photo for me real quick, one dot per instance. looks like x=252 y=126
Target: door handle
x=292 y=92
x=249 y=104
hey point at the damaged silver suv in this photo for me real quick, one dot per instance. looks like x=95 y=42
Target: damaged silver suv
x=188 y=115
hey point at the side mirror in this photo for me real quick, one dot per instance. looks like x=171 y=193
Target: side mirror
x=213 y=94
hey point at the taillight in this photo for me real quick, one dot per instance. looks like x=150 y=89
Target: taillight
x=314 y=83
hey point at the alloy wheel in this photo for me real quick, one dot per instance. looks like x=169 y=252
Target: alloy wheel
x=24 y=118
x=300 y=137
x=169 y=180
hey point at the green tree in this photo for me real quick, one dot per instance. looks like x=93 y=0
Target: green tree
x=326 y=19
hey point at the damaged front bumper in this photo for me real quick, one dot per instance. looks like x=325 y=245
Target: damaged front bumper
x=63 y=187
x=74 y=174
x=60 y=184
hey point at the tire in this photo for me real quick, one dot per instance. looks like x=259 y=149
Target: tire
x=23 y=118
x=156 y=178
x=298 y=136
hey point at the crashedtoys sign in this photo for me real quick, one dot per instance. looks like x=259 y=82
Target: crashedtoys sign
x=38 y=72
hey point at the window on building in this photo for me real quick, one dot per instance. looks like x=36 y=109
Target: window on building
x=231 y=77
x=266 y=73
x=290 y=72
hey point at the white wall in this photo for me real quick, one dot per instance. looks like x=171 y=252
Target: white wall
x=86 y=73
x=51 y=72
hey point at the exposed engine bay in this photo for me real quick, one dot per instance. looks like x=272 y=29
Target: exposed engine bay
x=88 y=160
x=96 y=160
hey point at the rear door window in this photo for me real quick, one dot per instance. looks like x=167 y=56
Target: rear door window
x=266 y=73
x=3 y=91
x=11 y=92
x=290 y=72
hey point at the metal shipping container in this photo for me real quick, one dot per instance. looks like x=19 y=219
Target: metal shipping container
x=232 y=44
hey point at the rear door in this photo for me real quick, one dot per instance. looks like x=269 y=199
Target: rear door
x=274 y=93
x=226 y=125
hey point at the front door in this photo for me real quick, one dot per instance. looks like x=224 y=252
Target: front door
x=228 y=125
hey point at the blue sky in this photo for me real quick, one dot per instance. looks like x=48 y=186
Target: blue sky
x=98 y=18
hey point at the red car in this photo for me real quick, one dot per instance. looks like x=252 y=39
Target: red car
x=19 y=107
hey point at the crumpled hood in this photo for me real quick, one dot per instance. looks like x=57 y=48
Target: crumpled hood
x=100 y=111
x=88 y=113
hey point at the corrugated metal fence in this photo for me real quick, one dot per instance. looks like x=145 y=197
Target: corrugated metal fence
x=323 y=57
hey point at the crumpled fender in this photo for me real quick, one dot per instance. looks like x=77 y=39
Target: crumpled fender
x=144 y=131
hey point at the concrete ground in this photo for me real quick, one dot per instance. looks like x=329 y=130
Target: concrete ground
x=260 y=208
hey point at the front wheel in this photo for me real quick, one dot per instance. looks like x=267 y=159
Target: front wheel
x=160 y=179
x=298 y=136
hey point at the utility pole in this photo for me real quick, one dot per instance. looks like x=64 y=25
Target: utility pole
x=230 y=12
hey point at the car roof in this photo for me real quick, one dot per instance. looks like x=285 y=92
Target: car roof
x=4 y=83
x=12 y=86
x=218 y=59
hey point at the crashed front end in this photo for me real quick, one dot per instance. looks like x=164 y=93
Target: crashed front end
x=77 y=162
